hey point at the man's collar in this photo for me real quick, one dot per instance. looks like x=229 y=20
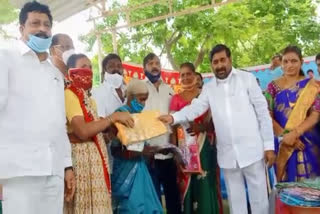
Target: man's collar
x=23 y=47
x=149 y=82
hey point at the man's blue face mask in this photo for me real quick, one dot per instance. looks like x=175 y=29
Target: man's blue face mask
x=38 y=44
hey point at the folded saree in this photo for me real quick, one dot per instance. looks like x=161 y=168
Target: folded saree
x=303 y=194
x=146 y=126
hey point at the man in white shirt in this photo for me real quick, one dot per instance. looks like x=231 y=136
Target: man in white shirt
x=243 y=128
x=110 y=95
x=164 y=170
x=35 y=153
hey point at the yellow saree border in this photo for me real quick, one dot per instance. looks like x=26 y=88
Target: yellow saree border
x=304 y=102
x=297 y=116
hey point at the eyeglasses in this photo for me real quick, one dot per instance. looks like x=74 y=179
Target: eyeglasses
x=63 y=47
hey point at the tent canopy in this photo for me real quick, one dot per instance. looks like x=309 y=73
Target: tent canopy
x=60 y=9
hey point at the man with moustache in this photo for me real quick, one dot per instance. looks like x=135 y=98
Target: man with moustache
x=163 y=170
x=35 y=152
x=243 y=128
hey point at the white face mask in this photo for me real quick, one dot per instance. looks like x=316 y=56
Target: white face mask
x=114 y=80
x=66 y=55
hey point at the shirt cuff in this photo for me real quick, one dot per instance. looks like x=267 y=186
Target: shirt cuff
x=268 y=145
x=67 y=162
x=177 y=119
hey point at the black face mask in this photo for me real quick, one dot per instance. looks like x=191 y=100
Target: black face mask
x=116 y=71
x=151 y=77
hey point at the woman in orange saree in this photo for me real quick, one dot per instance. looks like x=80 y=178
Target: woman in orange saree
x=198 y=182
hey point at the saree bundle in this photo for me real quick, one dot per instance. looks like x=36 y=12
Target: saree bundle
x=301 y=194
x=190 y=149
x=146 y=126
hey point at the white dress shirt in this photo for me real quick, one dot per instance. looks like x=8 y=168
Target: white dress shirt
x=240 y=115
x=34 y=140
x=159 y=100
x=107 y=99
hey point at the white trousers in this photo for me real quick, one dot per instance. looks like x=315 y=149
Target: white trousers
x=255 y=176
x=33 y=195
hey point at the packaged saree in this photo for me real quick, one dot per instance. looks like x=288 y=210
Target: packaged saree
x=146 y=126
x=190 y=149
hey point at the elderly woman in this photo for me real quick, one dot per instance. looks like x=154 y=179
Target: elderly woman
x=89 y=155
x=132 y=186
x=294 y=103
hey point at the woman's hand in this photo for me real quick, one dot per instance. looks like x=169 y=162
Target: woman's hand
x=299 y=145
x=290 y=138
x=150 y=151
x=124 y=118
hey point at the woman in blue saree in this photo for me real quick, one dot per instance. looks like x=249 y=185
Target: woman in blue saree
x=294 y=104
x=132 y=187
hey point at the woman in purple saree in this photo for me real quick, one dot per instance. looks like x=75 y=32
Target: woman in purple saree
x=294 y=103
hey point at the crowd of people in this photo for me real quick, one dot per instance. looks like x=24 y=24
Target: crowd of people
x=60 y=152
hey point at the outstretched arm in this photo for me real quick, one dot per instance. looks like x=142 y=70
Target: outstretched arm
x=190 y=112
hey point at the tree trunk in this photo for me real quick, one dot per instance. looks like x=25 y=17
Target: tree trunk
x=202 y=52
x=168 y=46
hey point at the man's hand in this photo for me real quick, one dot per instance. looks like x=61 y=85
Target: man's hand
x=166 y=119
x=270 y=157
x=69 y=185
x=195 y=128
x=124 y=118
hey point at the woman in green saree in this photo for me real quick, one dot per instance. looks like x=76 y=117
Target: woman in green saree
x=199 y=191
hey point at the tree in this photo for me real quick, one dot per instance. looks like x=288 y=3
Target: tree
x=8 y=15
x=254 y=30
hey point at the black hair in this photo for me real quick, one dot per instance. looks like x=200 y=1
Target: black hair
x=109 y=57
x=294 y=49
x=72 y=61
x=310 y=70
x=33 y=6
x=318 y=57
x=188 y=65
x=277 y=56
x=149 y=57
x=199 y=74
x=217 y=49
x=56 y=37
